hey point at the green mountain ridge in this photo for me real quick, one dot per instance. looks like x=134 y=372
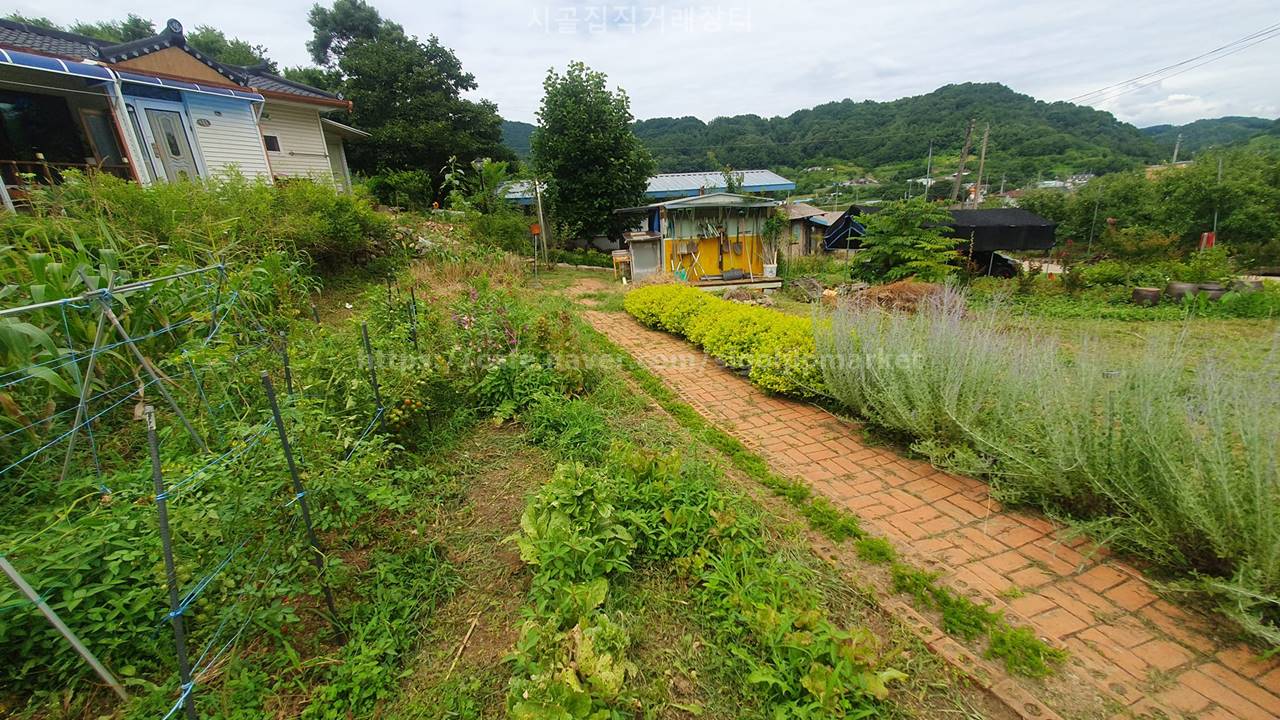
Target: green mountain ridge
x=1208 y=132
x=1029 y=139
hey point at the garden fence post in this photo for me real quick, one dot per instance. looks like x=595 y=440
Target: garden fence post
x=146 y=365
x=170 y=571
x=61 y=627
x=284 y=357
x=413 y=318
x=373 y=369
x=300 y=495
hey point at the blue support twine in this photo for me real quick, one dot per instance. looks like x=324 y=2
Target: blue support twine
x=59 y=362
x=184 y=485
x=368 y=429
x=67 y=434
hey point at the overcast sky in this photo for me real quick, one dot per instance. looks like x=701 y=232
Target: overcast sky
x=772 y=58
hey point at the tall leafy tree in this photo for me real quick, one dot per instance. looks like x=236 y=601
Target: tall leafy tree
x=406 y=92
x=334 y=28
x=234 y=51
x=904 y=239
x=132 y=27
x=586 y=153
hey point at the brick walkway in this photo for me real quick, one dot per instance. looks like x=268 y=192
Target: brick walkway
x=1138 y=649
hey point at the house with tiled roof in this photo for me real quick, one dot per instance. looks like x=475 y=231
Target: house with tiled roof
x=156 y=110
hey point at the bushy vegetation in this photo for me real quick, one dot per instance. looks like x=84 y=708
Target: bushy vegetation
x=1104 y=291
x=776 y=349
x=229 y=219
x=905 y=239
x=1132 y=217
x=1178 y=469
x=90 y=542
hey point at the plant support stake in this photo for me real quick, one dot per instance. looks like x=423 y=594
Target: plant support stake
x=373 y=368
x=170 y=572
x=61 y=627
x=284 y=358
x=300 y=494
x=413 y=318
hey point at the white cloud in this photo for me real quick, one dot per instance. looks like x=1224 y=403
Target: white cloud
x=724 y=57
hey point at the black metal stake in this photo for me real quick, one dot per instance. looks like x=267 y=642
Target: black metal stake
x=315 y=314
x=373 y=367
x=413 y=318
x=284 y=358
x=316 y=553
x=171 y=573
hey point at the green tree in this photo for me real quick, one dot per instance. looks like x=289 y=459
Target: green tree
x=334 y=28
x=132 y=27
x=905 y=239
x=233 y=51
x=40 y=22
x=586 y=153
x=408 y=95
x=328 y=79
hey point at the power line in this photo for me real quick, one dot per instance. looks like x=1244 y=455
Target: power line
x=1232 y=47
x=1202 y=63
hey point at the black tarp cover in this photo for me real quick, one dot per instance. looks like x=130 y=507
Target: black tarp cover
x=1006 y=229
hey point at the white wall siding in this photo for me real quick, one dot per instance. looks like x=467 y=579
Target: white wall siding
x=302 y=147
x=230 y=137
x=337 y=160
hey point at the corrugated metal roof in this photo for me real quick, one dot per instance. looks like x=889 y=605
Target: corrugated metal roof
x=677 y=185
x=719 y=199
x=691 y=183
x=799 y=210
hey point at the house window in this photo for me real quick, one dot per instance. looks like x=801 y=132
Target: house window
x=272 y=142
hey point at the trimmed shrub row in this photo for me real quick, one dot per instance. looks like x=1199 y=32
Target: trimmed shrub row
x=776 y=349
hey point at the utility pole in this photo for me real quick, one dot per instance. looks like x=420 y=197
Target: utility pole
x=928 y=172
x=982 y=164
x=964 y=155
x=542 y=227
x=1176 y=147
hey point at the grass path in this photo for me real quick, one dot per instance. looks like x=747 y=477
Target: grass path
x=1133 y=651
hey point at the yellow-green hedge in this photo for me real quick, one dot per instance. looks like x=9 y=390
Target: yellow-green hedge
x=778 y=349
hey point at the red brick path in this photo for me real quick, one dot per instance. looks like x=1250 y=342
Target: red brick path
x=1139 y=649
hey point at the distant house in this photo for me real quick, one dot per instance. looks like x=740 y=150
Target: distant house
x=156 y=110
x=678 y=185
x=805 y=237
x=713 y=239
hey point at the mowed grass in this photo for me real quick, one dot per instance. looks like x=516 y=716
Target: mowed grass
x=1246 y=344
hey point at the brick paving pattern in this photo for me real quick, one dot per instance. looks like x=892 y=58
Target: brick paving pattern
x=1138 y=648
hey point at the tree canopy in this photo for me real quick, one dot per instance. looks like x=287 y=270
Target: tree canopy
x=1178 y=204
x=906 y=239
x=406 y=92
x=586 y=153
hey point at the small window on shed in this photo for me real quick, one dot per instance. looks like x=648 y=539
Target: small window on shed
x=272 y=142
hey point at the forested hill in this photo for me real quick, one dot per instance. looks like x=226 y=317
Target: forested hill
x=1029 y=138
x=516 y=135
x=1202 y=134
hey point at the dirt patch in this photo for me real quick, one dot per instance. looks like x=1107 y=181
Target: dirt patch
x=470 y=635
